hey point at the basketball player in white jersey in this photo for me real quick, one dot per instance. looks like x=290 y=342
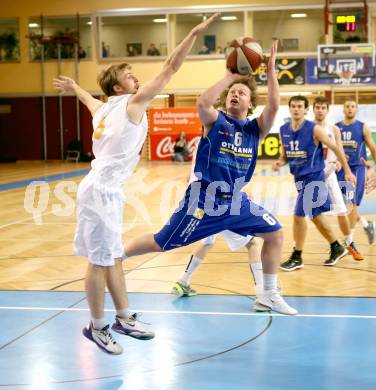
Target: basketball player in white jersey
x=120 y=128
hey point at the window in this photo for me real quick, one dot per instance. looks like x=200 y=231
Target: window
x=297 y=30
x=9 y=40
x=63 y=32
x=229 y=26
x=133 y=36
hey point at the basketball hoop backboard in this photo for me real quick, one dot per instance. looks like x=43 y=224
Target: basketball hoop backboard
x=355 y=58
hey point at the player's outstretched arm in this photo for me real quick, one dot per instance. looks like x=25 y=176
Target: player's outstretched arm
x=266 y=120
x=321 y=136
x=66 y=84
x=369 y=141
x=205 y=103
x=138 y=102
x=371 y=176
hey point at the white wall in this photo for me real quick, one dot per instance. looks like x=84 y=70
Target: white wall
x=117 y=36
x=224 y=32
x=307 y=30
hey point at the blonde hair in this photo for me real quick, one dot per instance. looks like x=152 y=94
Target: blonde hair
x=108 y=77
x=249 y=82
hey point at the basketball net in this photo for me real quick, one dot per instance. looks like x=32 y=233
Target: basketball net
x=345 y=77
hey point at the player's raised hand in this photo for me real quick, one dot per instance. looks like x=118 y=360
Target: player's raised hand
x=64 y=84
x=272 y=58
x=204 y=25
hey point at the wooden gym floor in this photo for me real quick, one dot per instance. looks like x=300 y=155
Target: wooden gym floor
x=37 y=228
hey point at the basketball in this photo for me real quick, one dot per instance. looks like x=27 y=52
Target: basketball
x=243 y=55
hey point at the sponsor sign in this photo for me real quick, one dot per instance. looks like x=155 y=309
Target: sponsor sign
x=166 y=124
x=289 y=71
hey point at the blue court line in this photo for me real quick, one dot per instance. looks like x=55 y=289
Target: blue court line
x=24 y=183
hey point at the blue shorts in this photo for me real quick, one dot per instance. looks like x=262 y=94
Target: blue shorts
x=350 y=194
x=313 y=196
x=199 y=216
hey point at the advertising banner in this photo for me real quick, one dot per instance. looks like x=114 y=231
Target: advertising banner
x=332 y=64
x=166 y=125
x=289 y=71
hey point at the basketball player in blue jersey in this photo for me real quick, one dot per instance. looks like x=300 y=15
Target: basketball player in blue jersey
x=226 y=159
x=355 y=136
x=338 y=206
x=302 y=149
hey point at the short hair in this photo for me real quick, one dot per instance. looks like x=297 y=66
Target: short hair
x=299 y=98
x=321 y=100
x=249 y=82
x=350 y=100
x=108 y=77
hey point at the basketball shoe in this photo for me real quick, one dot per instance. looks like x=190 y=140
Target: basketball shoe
x=103 y=339
x=131 y=327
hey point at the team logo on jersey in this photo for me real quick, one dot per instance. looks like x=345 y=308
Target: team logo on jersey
x=199 y=213
x=98 y=132
x=226 y=133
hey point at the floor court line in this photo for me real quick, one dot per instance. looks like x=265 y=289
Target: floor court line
x=211 y=313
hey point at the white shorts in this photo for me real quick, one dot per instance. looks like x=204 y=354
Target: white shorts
x=99 y=223
x=233 y=240
x=338 y=206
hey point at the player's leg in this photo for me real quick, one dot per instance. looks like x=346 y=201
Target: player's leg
x=337 y=251
x=368 y=226
x=255 y=220
x=295 y=261
x=141 y=245
x=270 y=257
x=98 y=329
x=254 y=247
x=344 y=225
x=125 y=322
x=182 y=286
x=339 y=209
x=91 y=241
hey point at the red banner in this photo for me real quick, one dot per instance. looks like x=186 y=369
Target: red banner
x=166 y=125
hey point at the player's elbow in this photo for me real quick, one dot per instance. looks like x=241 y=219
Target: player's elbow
x=202 y=103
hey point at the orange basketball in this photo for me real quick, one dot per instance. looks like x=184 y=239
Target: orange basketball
x=243 y=55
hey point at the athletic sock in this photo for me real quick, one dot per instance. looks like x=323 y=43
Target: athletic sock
x=270 y=281
x=256 y=271
x=348 y=239
x=363 y=222
x=123 y=313
x=98 y=323
x=193 y=264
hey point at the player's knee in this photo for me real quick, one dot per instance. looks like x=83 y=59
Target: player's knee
x=277 y=237
x=155 y=247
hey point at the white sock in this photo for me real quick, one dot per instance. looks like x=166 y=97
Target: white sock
x=193 y=264
x=98 y=323
x=270 y=281
x=123 y=313
x=124 y=256
x=256 y=271
x=363 y=222
x=348 y=239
